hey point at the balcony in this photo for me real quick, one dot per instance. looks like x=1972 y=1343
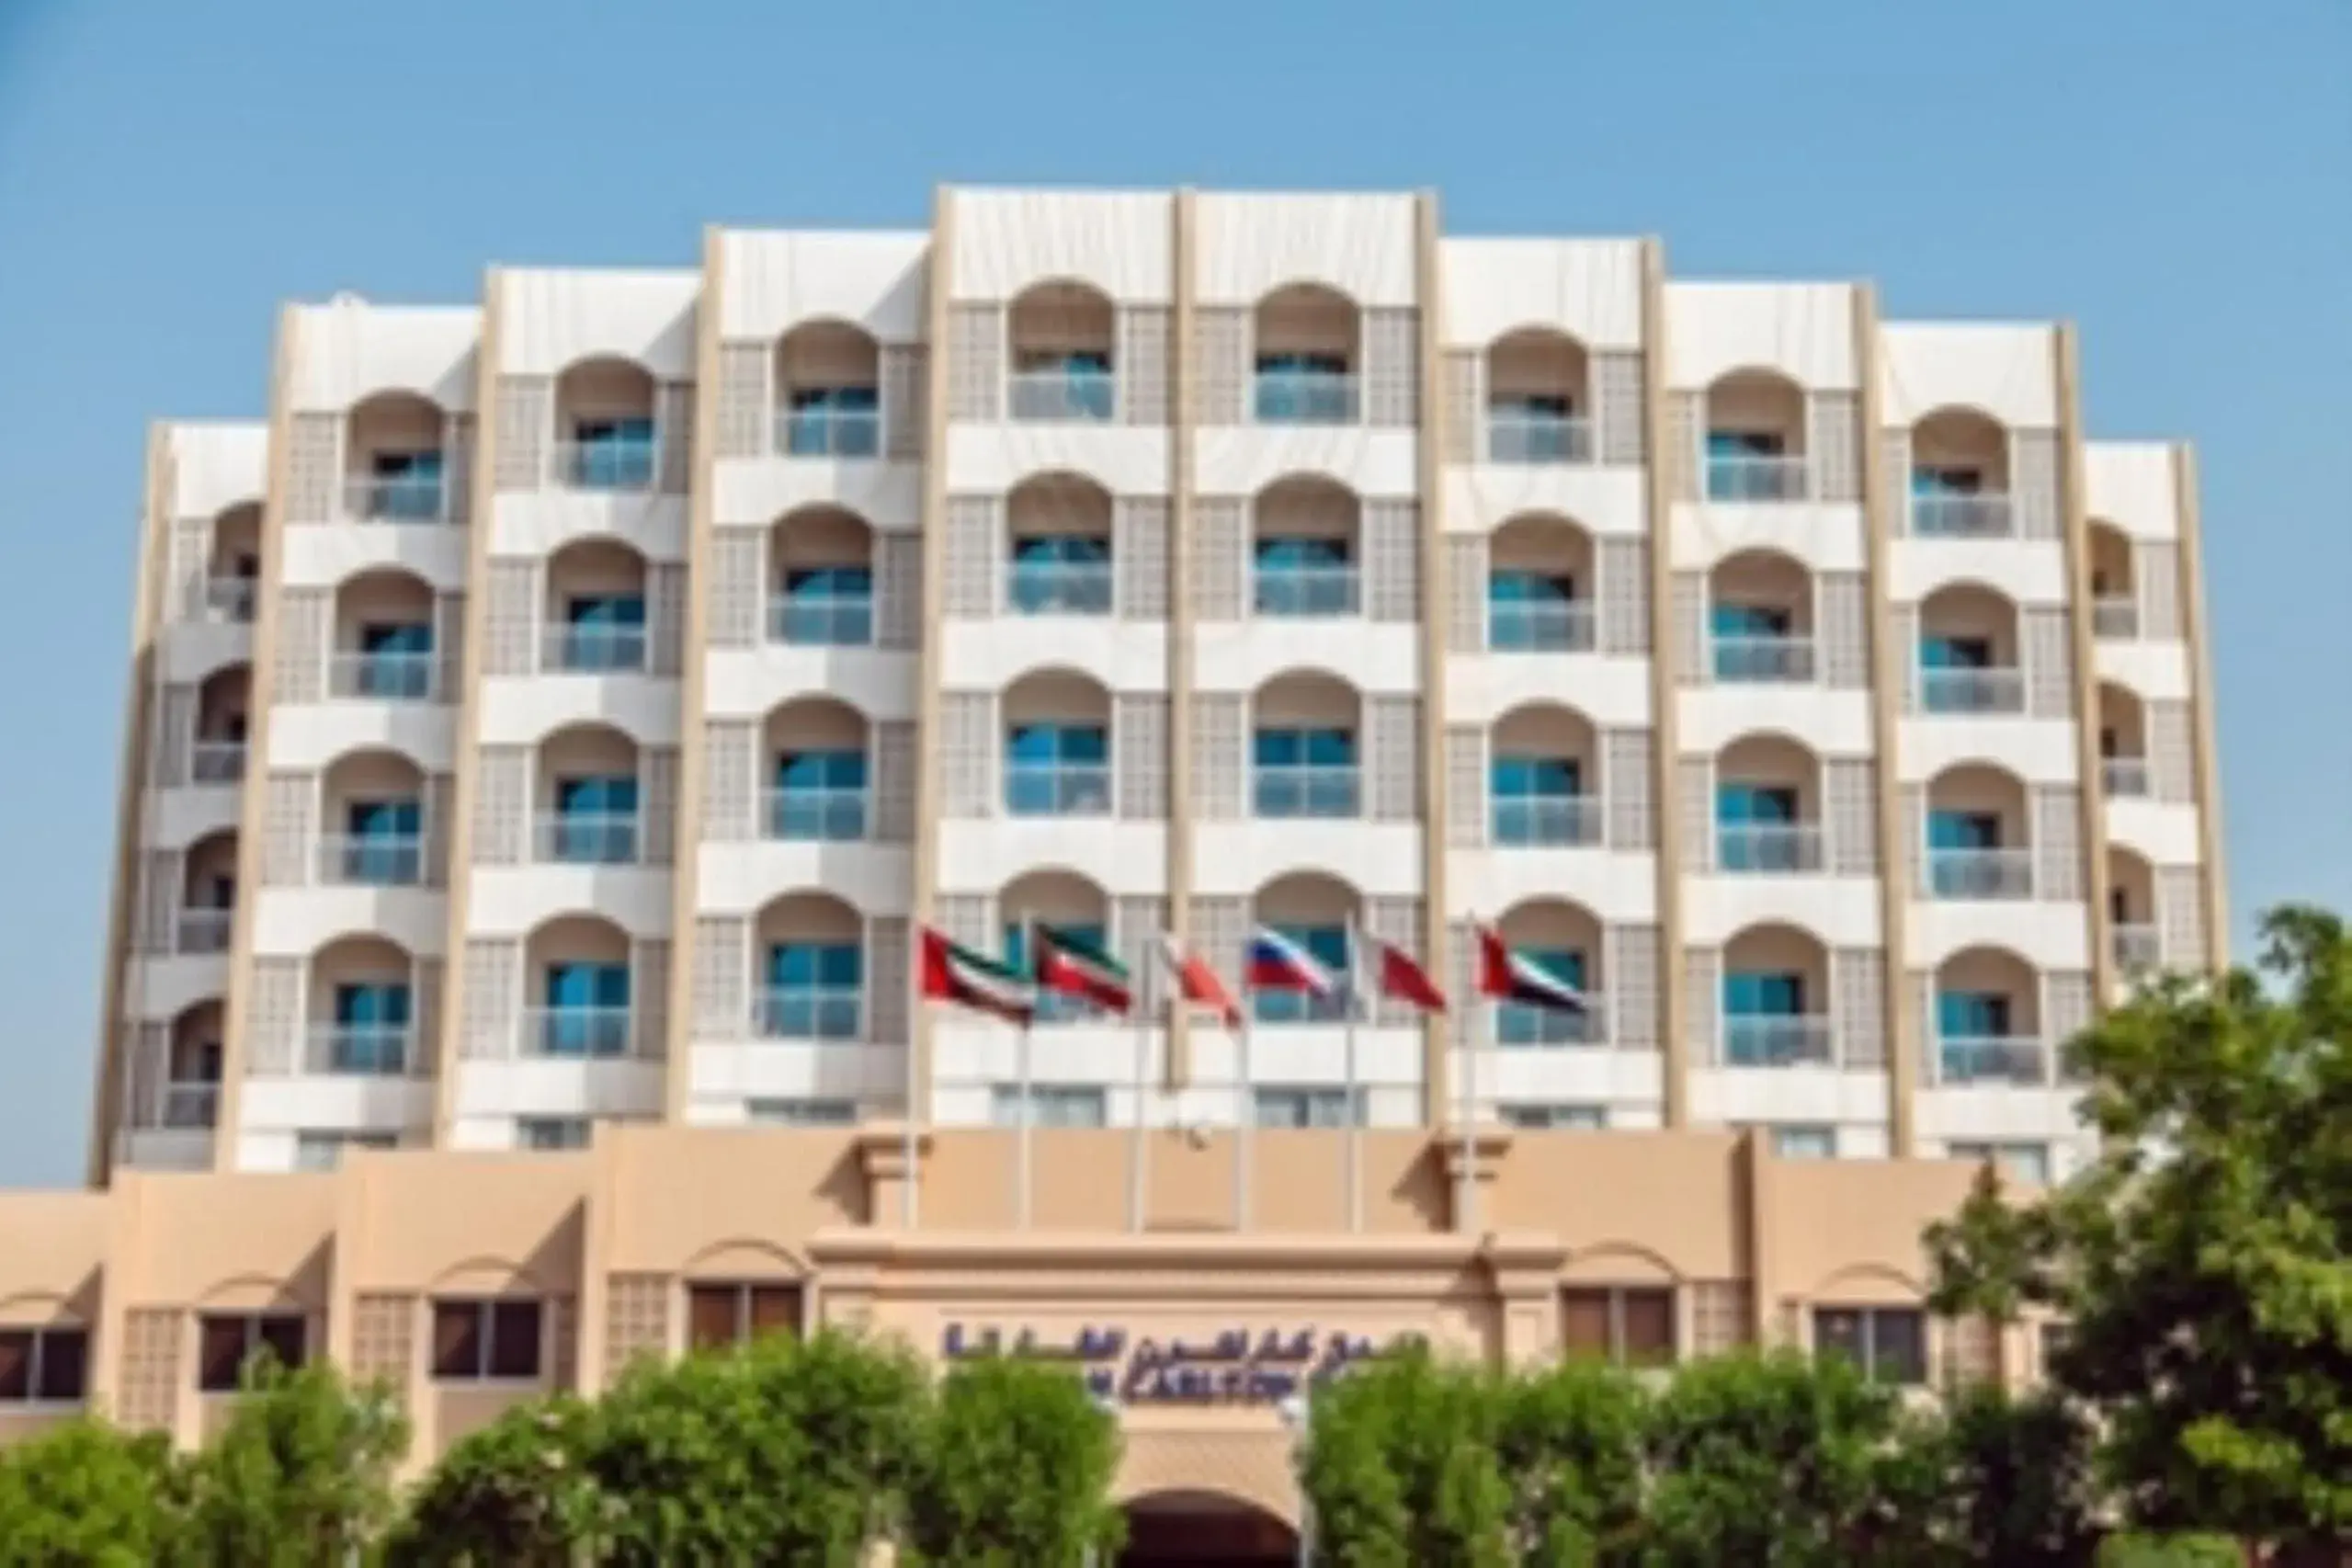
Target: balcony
x=1983 y=691
x=594 y=648
x=229 y=599
x=1534 y=437
x=1057 y=788
x=190 y=1105
x=205 y=929
x=216 y=761
x=805 y=619
x=1946 y=514
x=1305 y=791
x=829 y=430
x=618 y=463
x=1992 y=1059
x=2114 y=617
x=1516 y=1024
x=577 y=1033
x=360 y=860
x=2137 y=949
x=588 y=838
x=374 y=1050
x=387 y=676
x=1305 y=592
x=1759 y=659
x=1767 y=848
x=1545 y=821
x=817 y=814
x=1067 y=395
x=2124 y=778
x=1059 y=588
x=1755 y=477
x=1776 y=1040
x=811 y=1013
x=413 y=497
x=1293 y=396
x=1972 y=874
x=1540 y=626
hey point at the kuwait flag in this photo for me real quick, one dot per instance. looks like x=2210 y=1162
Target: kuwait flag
x=1514 y=977
x=951 y=973
x=1069 y=964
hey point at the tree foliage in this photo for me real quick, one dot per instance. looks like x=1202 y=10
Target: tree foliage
x=517 y=1494
x=299 y=1477
x=1013 y=1470
x=87 y=1494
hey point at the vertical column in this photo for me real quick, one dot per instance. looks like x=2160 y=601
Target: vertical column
x=2077 y=539
x=254 y=799
x=1883 y=496
x=693 y=764
x=928 y=794
x=2201 y=674
x=1177 y=1066
x=1437 y=1100
x=1659 y=476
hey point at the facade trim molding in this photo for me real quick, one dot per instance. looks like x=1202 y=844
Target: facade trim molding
x=939 y=284
x=2090 y=788
x=1437 y=1033
x=1175 y=1069
x=1674 y=1043
x=2189 y=513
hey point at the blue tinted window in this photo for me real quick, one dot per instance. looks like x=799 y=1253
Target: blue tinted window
x=1972 y=1015
x=613 y=795
x=1277 y=552
x=1963 y=830
x=396 y=638
x=1955 y=653
x=1755 y=802
x=829 y=582
x=1304 y=748
x=1529 y=587
x=1743 y=444
x=383 y=818
x=803 y=966
x=1761 y=994
x=1748 y=621
x=1062 y=548
x=1086 y=743
x=382 y=1004
x=821 y=770
x=578 y=985
x=607 y=609
x=1544 y=776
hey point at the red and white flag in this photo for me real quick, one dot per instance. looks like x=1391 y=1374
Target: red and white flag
x=1198 y=984
x=1398 y=977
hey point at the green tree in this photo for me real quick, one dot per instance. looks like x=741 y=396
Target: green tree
x=517 y=1494
x=2203 y=1265
x=299 y=1477
x=1997 y=1479
x=1571 y=1446
x=84 y=1495
x=1014 y=1471
x=2169 y=1551
x=1403 y=1464
x=783 y=1452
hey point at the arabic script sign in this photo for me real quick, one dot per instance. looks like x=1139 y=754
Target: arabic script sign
x=1234 y=1366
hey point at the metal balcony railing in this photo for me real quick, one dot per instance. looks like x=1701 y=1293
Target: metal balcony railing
x=594 y=648
x=1776 y=1040
x=1946 y=690
x=1285 y=790
x=1297 y=1008
x=1763 y=658
x=205 y=928
x=1984 y=514
x=608 y=464
x=1550 y=822
x=190 y=1104
x=577 y=1032
x=1063 y=396
x=817 y=816
x=361 y=860
x=1519 y=435
x=1058 y=587
x=1304 y=591
x=823 y=432
x=818 y=1013
x=2136 y=947
x=2114 y=617
x=1981 y=873
x=1057 y=788
x=229 y=599
x=839 y=620
x=1540 y=626
x=216 y=761
x=1767 y=848
x=396 y=498
x=2124 y=778
x=374 y=1050
x=1517 y=1024
x=1305 y=397
x=387 y=676
x=1756 y=477
x=1992 y=1059
x=589 y=838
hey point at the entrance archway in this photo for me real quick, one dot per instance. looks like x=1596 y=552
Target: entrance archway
x=1188 y=1530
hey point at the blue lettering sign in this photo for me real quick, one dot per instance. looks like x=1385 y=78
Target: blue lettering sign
x=1235 y=1366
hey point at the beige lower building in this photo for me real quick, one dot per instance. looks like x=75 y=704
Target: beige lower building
x=470 y=1281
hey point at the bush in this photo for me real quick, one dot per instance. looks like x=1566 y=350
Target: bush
x=1014 y=1471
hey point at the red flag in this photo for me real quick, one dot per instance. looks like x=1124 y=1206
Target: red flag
x=1198 y=983
x=1402 y=980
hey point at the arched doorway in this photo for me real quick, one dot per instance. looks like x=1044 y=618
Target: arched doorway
x=1165 y=1529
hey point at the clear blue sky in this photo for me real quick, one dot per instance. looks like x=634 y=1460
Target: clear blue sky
x=2176 y=178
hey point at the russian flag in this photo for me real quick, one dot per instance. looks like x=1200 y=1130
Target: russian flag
x=1275 y=962
x=1514 y=977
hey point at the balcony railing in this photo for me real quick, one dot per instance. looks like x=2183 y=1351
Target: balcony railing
x=589 y=838
x=190 y=1104
x=1305 y=591
x=1305 y=397
x=1756 y=477
x=822 y=1013
x=1767 y=848
x=577 y=1032
x=1063 y=396
x=1981 y=873
x=606 y=464
x=2114 y=617
x=1297 y=1008
x=404 y=676
x=1518 y=436
x=817 y=816
x=358 y=860
x=376 y=1051
x=229 y=599
x=1985 y=515
x=216 y=761
x=1992 y=1059
x=1057 y=788
x=1746 y=659
x=2136 y=947
x=1946 y=690
x=1058 y=587
x=205 y=928
x=1547 y=820
x=1516 y=1023
x=1776 y=1040
x=842 y=621
x=594 y=648
x=395 y=498
x=821 y=432
x=2124 y=778
x=1281 y=790
x=1540 y=626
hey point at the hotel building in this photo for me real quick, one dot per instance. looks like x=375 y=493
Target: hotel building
x=562 y=714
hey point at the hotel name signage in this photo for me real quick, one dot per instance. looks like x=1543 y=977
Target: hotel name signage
x=1234 y=1366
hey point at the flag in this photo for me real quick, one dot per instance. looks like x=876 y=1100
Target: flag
x=952 y=974
x=1069 y=964
x=1198 y=984
x=1400 y=979
x=1515 y=977
x=1275 y=962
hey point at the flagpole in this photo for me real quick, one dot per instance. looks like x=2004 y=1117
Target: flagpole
x=910 y=1149
x=1028 y=1112
x=1482 y=1012
x=1466 y=1102
x=1352 y=1144
x=1138 y=1178
x=1245 y=1124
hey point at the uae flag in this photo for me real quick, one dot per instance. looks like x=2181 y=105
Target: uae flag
x=1510 y=976
x=1068 y=963
x=952 y=974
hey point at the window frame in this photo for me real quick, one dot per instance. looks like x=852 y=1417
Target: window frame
x=1867 y=1316
x=255 y=1332
x=485 y=1339
x=38 y=1359
x=745 y=1298
x=847 y=1107
x=1614 y=1301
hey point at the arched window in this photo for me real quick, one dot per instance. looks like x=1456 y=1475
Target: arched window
x=820 y=590
x=1563 y=941
x=1303 y=553
x=1304 y=748
x=1979 y=844
x=1987 y=1020
x=395 y=470
x=1969 y=651
x=828 y=380
x=1544 y=778
x=1537 y=406
x=1314 y=910
x=2131 y=910
x=232 y=569
x=1062 y=335
x=222 y=704
x=2123 y=743
x=1755 y=438
x=1540 y=587
x=1075 y=906
x=588 y=803
x=1057 y=745
x=363 y=1008
x=605 y=431
x=813 y=958
x=383 y=637
x=1058 y=531
x=1760 y=618
x=595 y=609
x=192 y=1076
x=208 y=894
x=1767 y=807
x=819 y=772
x=580 y=973
x=372 y=807
x=1959 y=476
x=2114 y=601
x=1309 y=351
x=1775 y=999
